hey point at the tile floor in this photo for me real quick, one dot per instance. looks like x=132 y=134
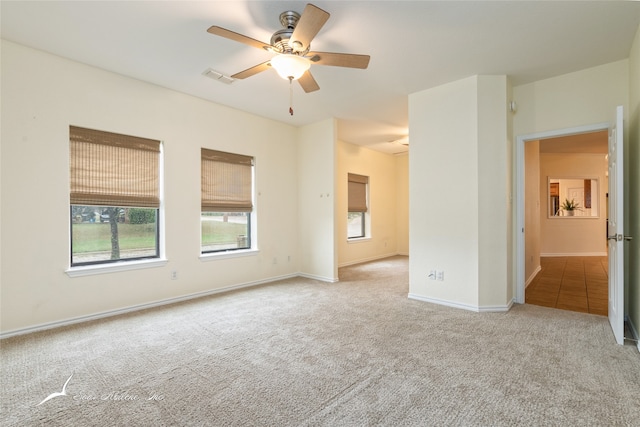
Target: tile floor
x=571 y=283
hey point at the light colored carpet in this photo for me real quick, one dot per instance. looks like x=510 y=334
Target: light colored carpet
x=305 y=353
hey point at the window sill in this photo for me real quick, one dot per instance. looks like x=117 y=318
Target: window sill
x=89 y=270
x=359 y=240
x=228 y=254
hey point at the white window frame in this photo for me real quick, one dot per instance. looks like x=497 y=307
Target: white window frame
x=124 y=265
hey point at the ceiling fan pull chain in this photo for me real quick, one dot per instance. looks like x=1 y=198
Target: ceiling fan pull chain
x=291 y=95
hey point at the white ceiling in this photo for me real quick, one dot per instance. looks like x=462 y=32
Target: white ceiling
x=414 y=45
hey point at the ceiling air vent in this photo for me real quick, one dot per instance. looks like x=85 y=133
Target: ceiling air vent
x=215 y=75
x=401 y=141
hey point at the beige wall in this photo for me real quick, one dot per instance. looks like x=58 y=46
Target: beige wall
x=576 y=236
x=402 y=204
x=494 y=207
x=37 y=109
x=633 y=187
x=443 y=213
x=459 y=183
x=582 y=98
x=317 y=200
x=386 y=203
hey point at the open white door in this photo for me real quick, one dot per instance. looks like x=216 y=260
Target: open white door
x=615 y=229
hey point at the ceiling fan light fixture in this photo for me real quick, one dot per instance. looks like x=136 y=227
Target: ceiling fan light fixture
x=290 y=66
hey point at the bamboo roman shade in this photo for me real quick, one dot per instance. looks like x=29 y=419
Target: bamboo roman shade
x=357 y=192
x=226 y=182
x=110 y=169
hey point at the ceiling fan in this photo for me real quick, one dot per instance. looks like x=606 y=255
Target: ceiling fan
x=292 y=46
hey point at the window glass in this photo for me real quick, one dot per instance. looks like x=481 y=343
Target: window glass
x=355 y=225
x=222 y=231
x=107 y=233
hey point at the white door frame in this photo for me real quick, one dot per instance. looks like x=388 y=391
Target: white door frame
x=519 y=187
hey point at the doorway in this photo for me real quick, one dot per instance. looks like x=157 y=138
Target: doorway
x=559 y=251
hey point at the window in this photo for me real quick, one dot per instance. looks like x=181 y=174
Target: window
x=227 y=201
x=114 y=195
x=357 y=195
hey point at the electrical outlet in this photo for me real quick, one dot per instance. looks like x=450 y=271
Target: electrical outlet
x=432 y=275
x=440 y=275
x=174 y=275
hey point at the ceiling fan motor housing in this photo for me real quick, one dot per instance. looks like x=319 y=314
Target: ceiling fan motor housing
x=280 y=39
x=289 y=19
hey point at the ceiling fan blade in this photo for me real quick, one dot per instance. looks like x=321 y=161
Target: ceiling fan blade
x=311 y=21
x=232 y=35
x=308 y=83
x=339 y=59
x=252 y=71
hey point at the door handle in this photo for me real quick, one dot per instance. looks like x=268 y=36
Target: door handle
x=619 y=237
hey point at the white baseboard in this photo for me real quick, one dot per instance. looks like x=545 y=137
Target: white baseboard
x=369 y=259
x=533 y=276
x=634 y=331
x=137 y=307
x=574 y=254
x=321 y=278
x=495 y=308
x=477 y=309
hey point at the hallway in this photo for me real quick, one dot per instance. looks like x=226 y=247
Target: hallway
x=571 y=283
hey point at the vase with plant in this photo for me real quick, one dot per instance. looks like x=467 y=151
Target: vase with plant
x=570 y=206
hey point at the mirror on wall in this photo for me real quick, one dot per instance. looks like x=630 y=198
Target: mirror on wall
x=573 y=197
